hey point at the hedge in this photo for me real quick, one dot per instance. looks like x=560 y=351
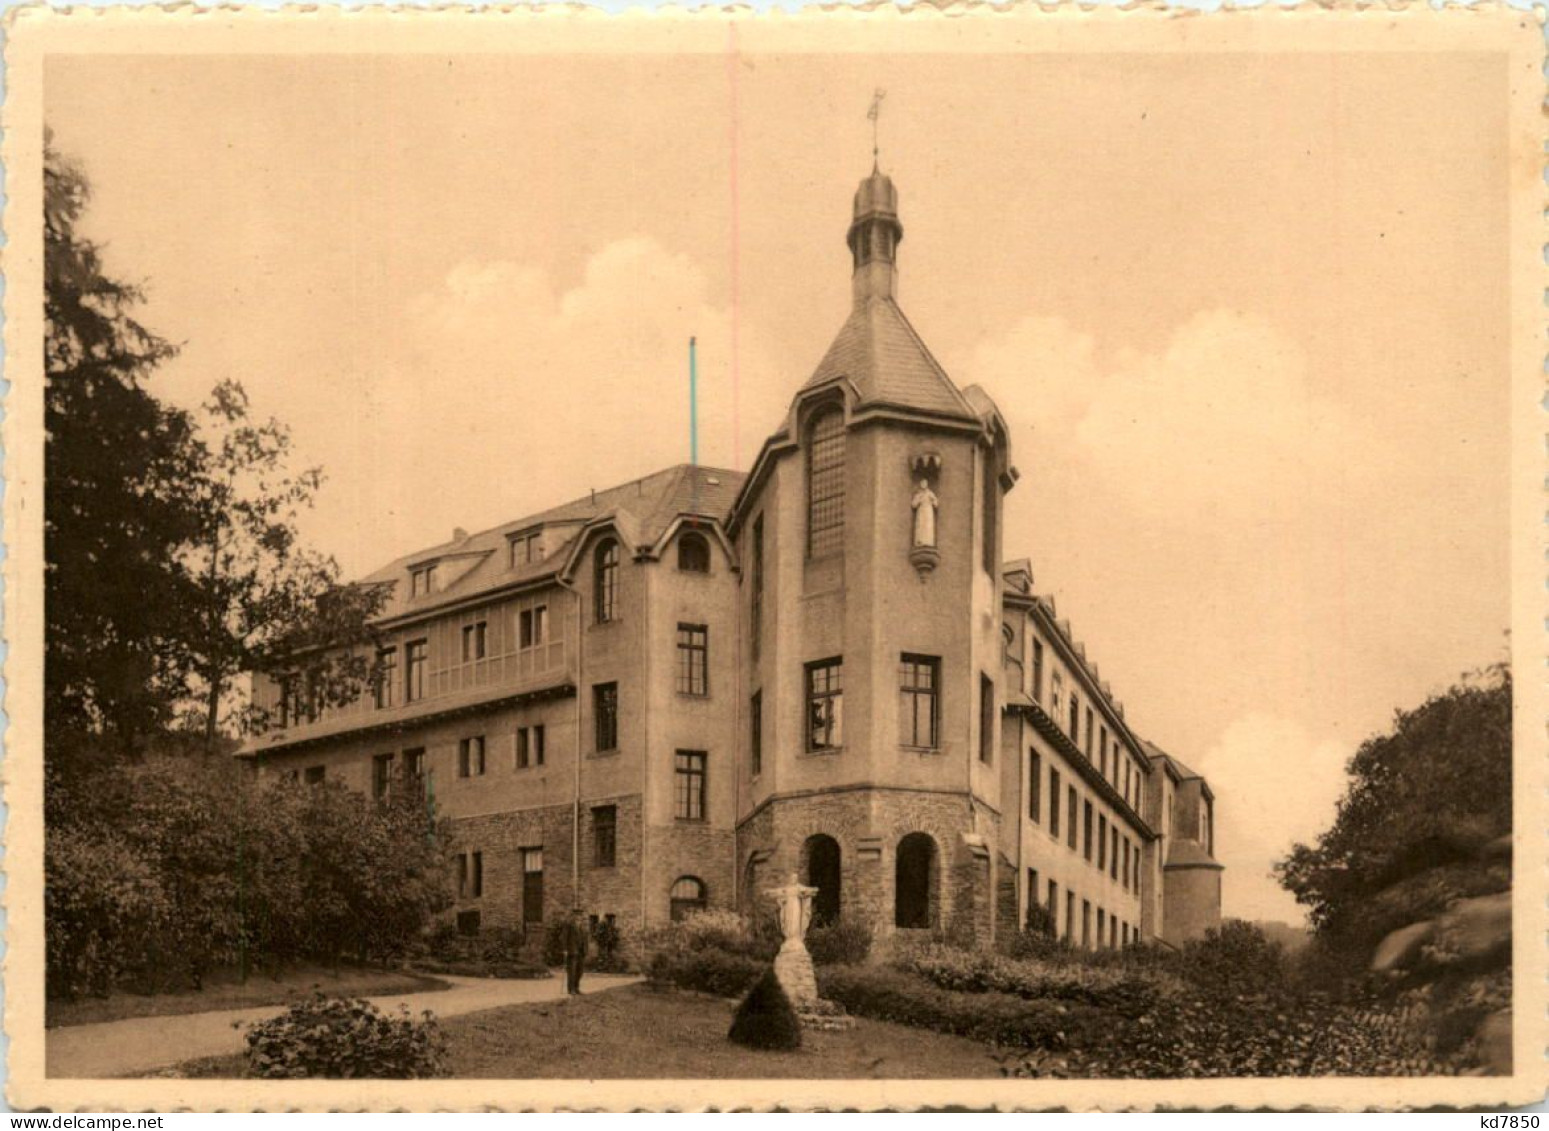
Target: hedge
x=708 y=970
x=1127 y=992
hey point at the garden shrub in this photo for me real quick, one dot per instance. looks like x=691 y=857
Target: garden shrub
x=709 y=970
x=608 y=955
x=906 y=999
x=765 y=1019
x=844 y=941
x=1127 y=991
x=104 y=907
x=345 y=1038
x=1234 y=960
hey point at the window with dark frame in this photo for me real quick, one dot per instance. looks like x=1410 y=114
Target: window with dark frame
x=919 y=683
x=1075 y=720
x=529 y=746
x=532 y=885
x=1102 y=754
x=688 y=792
x=381 y=776
x=1089 y=734
x=416 y=657
x=991 y=557
x=605 y=580
x=414 y=770
x=1073 y=811
x=693 y=659
x=825 y=705
x=686 y=897
x=604 y=835
x=470 y=757
x=532 y=626
x=1034 y=786
x=1113 y=853
x=986 y=719
x=475 y=641
x=525 y=549
x=605 y=716
x=1054 y=803
x=386 y=678
x=1038 y=670
x=1086 y=836
x=470 y=875
x=825 y=483
x=1054 y=907
x=693 y=554
x=756 y=732
x=1102 y=842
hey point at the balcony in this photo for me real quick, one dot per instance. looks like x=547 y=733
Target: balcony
x=545 y=671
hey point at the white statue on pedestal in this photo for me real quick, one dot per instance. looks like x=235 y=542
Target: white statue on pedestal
x=794 y=902
x=924 y=504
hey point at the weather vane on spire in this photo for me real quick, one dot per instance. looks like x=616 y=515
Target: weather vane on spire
x=872 y=115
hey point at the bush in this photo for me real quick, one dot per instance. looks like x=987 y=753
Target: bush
x=1126 y=991
x=842 y=942
x=608 y=955
x=1234 y=960
x=893 y=995
x=708 y=970
x=345 y=1038
x=765 y=1019
x=104 y=909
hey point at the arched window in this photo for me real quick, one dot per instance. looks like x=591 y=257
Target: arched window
x=693 y=554
x=915 y=895
x=688 y=896
x=605 y=580
x=825 y=483
x=822 y=853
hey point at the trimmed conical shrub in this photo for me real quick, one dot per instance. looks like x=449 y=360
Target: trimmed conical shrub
x=765 y=1019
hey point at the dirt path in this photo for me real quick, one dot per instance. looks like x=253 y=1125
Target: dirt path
x=142 y=1044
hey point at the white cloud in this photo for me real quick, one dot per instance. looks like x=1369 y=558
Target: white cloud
x=1275 y=784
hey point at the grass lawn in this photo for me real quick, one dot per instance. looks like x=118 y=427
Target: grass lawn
x=642 y=1033
x=224 y=989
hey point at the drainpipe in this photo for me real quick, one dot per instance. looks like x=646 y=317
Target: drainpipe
x=575 y=814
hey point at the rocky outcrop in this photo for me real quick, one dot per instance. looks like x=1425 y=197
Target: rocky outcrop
x=1452 y=968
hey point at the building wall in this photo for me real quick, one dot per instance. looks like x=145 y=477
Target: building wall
x=1192 y=903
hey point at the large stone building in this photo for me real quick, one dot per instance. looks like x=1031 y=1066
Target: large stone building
x=676 y=692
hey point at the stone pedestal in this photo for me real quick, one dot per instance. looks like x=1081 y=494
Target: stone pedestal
x=793 y=965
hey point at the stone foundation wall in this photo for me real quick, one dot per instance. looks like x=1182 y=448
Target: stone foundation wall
x=688 y=848
x=868 y=826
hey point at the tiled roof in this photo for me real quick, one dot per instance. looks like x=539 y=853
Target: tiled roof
x=882 y=356
x=642 y=509
x=1155 y=752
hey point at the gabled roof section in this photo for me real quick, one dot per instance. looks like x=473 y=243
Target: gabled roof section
x=880 y=353
x=642 y=510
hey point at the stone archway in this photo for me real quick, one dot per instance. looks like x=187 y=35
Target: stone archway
x=822 y=856
x=916 y=890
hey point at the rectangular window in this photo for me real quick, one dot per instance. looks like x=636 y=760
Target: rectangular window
x=414 y=770
x=986 y=718
x=414 y=672
x=991 y=556
x=1034 y=786
x=1113 y=932
x=1054 y=803
x=532 y=885
x=825 y=705
x=604 y=835
x=1089 y=734
x=1102 y=842
x=381 y=776
x=1125 y=880
x=756 y=607
x=470 y=875
x=1054 y=907
x=605 y=715
x=387 y=678
x=1070 y=916
x=825 y=485
x=1057 y=697
x=1102 y=925
x=529 y=746
x=525 y=549
x=470 y=757
x=1032 y=890
x=1113 y=854
x=919 y=681
x=532 y=626
x=1073 y=811
x=756 y=732
x=1102 y=753
x=1038 y=670
x=422 y=581
x=475 y=641
x=693 y=659
x=1086 y=836
x=1075 y=720
x=1086 y=924
x=689 y=785
x=315 y=775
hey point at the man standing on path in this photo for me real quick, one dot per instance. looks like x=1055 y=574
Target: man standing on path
x=576 y=940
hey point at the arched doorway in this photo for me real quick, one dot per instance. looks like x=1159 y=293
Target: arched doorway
x=914 y=893
x=822 y=854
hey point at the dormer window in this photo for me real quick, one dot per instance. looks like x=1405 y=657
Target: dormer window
x=693 y=554
x=422 y=581
x=526 y=548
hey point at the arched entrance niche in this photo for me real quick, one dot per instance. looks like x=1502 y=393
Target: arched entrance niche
x=917 y=883
x=823 y=872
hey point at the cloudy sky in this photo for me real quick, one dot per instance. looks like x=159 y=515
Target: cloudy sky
x=1244 y=314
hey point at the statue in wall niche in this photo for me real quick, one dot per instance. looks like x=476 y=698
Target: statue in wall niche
x=924 y=504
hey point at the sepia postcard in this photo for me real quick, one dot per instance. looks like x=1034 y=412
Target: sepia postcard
x=726 y=560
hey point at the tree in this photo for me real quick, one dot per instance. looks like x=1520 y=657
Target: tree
x=266 y=603
x=1431 y=792
x=116 y=504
